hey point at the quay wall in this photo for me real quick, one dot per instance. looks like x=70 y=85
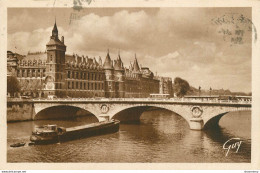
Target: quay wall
x=20 y=111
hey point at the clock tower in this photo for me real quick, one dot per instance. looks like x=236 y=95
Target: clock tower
x=55 y=65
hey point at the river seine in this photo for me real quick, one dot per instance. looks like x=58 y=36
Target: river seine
x=161 y=136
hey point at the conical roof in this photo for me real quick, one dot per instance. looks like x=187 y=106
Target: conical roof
x=100 y=61
x=119 y=64
x=54 y=40
x=136 y=67
x=108 y=62
x=55 y=27
x=55 y=30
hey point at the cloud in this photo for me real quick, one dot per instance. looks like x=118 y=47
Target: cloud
x=172 y=41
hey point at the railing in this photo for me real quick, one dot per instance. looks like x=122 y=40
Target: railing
x=202 y=100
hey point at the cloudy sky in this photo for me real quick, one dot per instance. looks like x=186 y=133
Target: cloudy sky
x=209 y=47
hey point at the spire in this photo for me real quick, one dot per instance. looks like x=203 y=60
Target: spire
x=136 y=67
x=119 y=58
x=100 y=61
x=108 y=62
x=119 y=64
x=55 y=30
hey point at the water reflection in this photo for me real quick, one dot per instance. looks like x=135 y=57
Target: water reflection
x=160 y=136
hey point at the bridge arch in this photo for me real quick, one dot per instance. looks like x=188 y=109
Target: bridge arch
x=213 y=122
x=197 y=114
x=134 y=112
x=60 y=111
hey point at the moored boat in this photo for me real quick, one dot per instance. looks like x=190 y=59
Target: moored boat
x=54 y=134
x=20 y=144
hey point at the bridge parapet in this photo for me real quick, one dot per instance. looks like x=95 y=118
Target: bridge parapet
x=196 y=112
x=171 y=100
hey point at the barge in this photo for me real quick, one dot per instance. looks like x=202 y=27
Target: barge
x=53 y=134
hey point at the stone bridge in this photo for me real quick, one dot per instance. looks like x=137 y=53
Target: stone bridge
x=199 y=114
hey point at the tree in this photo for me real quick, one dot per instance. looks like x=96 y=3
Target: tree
x=13 y=85
x=180 y=86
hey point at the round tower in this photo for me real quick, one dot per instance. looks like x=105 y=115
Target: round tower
x=109 y=77
x=119 y=74
x=138 y=75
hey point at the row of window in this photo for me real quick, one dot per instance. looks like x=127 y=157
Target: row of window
x=85 y=85
x=85 y=75
x=58 y=86
x=31 y=73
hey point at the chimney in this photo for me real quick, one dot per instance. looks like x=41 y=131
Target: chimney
x=62 y=39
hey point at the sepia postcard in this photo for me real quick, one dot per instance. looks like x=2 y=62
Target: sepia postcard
x=95 y=84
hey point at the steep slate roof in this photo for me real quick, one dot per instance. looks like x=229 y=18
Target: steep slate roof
x=54 y=39
x=119 y=64
x=55 y=42
x=136 y=67
x=36 y=56
x=108 y=62
x=55 y=29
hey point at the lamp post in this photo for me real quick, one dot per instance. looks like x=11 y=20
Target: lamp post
x=199 y=90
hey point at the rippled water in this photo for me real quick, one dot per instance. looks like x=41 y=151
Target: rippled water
x=161 y=136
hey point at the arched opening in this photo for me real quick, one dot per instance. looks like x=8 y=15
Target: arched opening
x=137 y=113
x=213 y=122
x=152 y=125
x=131 y=114
x=232 y=118
x=65 y=113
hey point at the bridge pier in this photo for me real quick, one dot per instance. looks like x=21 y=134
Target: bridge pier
x=199 y=115
x=196 y=124
x=103 y=117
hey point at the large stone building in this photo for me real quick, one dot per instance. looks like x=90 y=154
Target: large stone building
x=55 y=73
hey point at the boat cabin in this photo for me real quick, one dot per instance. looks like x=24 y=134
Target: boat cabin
x=50 y=127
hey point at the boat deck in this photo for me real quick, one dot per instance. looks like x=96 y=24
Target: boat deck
x=87 y=126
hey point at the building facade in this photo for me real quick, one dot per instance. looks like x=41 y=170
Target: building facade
x=53 y=72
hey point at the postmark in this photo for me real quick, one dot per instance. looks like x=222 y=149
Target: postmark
x=233 y=27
